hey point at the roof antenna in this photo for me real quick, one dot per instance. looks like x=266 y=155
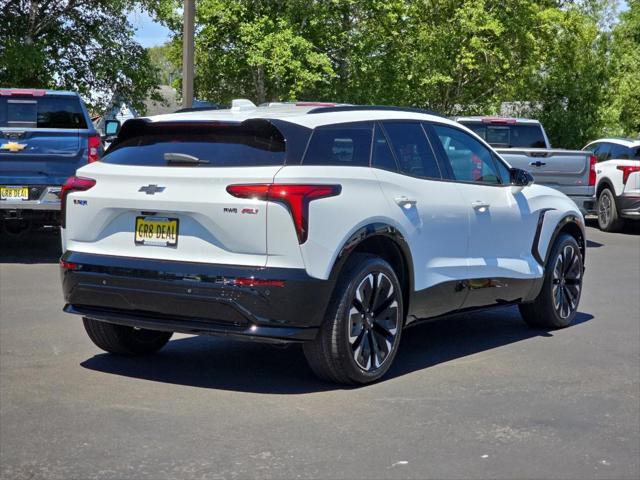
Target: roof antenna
x=242 y=104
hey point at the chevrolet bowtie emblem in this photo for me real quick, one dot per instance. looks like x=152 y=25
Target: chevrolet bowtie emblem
x=13 y=146
x=151 y=189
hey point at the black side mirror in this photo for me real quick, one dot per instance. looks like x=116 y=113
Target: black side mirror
x=520 y=177
x=111 y=128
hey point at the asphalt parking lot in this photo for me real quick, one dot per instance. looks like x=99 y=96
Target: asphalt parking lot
x=470 y=396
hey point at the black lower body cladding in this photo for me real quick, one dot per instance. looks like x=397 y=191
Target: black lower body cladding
x=282 y=304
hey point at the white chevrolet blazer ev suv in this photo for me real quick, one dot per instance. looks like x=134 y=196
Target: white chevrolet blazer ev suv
x=330 y=225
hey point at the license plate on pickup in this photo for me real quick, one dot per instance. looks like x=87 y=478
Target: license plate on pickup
x=14 y=193
x=160 y=231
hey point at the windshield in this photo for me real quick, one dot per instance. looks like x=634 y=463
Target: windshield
x=44 y=112
x=508 y=136
x=215 y=145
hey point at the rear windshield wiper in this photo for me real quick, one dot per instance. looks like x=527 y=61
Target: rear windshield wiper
x=173 y=158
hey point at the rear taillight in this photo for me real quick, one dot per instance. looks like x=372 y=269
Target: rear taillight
x=94 y=148
x=295 y=197
x=627 y=170
x=72 y=184
x=592 y=170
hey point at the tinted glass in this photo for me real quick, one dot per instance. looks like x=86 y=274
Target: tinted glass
x=346 y=145
x=635 y=153
x=412 y=150
x=381 y=156
x=619 y=152
x=42 y=112
x=220 y=145
x=506 y=136
x=604 y=152
x=470 y=160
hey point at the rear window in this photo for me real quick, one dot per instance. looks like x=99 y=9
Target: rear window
x=216 y=145
x=42 y=112
x=508 y=136
x=346 y=145
x=635 y=153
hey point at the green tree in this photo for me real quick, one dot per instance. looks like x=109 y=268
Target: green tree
x=160 y=57
x=569 y=84
x=81 y=45
x=621 y=110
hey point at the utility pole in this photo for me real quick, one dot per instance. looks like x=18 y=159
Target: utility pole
x=187 y=52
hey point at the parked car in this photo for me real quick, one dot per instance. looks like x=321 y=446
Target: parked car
x=617 y=181
x=45 y=135
x=524 y=144
x=331 y=226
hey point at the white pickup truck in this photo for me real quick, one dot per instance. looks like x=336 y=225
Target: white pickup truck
x=523 y=143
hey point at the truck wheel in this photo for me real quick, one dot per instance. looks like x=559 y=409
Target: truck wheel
x=608 y=219
x=557 y=302
x=123 y=340
x=359 y=337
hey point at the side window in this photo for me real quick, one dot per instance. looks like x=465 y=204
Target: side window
x=470 y=160
x=412 y=149
x=604 y=152
x=346 y=145
x=619 y=152
x=381 y=155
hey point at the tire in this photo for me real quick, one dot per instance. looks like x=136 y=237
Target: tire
x=558 y=300
x=123 y=340
x=608 y=219
x=359 y=337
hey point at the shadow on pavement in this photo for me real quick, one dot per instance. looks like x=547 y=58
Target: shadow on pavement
x=209 y=362
x=630 y=227
x=42 y=246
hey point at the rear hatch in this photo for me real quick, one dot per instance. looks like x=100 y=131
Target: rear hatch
x=161 y=193
x=40 y=138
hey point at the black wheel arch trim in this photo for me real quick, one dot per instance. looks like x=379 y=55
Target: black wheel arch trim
x=606 y=183
x=372 y=230
x=564 y=221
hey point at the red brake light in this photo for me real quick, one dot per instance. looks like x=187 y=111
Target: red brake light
x=295 y=197
x=627 y=170
x=94 y=148
x=72 y=184
x=499 y=120
x=592 y=170
x=68 y=265
x=22 y=91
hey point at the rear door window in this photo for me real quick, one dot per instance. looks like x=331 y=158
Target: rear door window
x=619 y=152
x=213 y=144
x=381 y=154
x=41 y=112
x=412 y=149
x=346 y=145
x=604 y=152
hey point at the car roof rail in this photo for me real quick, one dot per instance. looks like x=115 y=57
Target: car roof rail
x=390 y=108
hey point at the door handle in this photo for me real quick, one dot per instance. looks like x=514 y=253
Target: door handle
x=537 y=163
x=480 y=206
x=405 y=202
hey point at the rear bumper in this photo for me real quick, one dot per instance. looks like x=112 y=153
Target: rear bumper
x=586 y=203
x=41 y=197
x=195 y=298
x=629 y=206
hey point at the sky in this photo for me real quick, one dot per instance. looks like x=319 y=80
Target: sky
x=148 y=32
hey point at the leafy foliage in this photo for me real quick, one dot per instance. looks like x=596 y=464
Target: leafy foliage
x=81 y=45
